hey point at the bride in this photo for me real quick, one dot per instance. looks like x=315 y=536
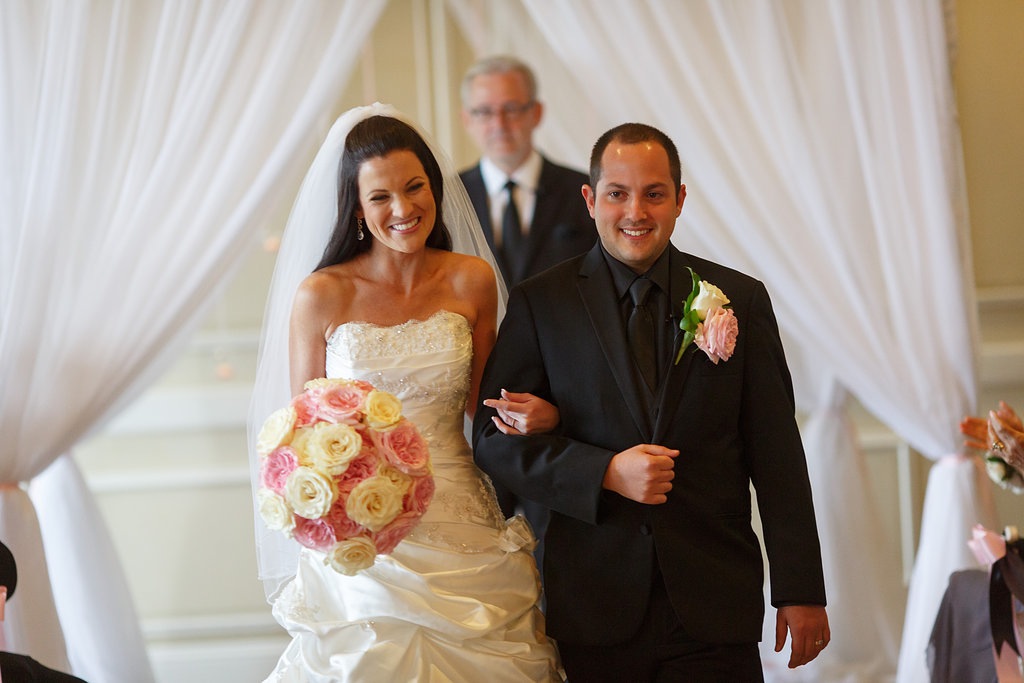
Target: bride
x=402 y=297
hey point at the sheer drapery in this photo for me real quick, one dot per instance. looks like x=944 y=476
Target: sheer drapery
x=142 y=145
x=821 y=153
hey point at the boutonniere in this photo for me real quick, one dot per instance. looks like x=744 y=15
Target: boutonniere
x=708 y=321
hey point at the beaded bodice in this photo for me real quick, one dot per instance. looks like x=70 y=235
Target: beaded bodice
x=426 y=364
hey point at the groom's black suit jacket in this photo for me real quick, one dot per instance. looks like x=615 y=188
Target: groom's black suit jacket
x=563 y=339
x=561 y=226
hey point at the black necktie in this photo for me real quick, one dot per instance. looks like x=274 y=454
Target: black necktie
x=511 y=234
x=640 y=328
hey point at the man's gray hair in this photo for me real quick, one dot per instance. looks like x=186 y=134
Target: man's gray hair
x=499 y=64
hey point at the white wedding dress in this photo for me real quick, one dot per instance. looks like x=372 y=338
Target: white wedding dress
x=457 y=599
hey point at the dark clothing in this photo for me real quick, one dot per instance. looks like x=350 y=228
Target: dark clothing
x=23 y=669
x=733 y=422
x=561 y=226
x=560 y=229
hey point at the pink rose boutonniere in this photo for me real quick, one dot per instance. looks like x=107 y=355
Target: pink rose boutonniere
x=708 y=321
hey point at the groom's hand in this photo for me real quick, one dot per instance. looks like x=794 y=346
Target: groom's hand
x=642 y=473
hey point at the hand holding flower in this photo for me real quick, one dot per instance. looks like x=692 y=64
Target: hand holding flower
x=977 y=431
x=1007 y=436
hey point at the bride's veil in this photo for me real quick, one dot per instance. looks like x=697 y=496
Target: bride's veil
x=306 y=234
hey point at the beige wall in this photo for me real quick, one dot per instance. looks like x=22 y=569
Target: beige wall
x=171 y=474
x=989 y=78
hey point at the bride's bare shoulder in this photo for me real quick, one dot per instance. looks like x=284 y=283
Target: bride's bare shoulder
x=324 y=288
x=467 y=269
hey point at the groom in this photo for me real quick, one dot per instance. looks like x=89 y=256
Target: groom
x=652 y=569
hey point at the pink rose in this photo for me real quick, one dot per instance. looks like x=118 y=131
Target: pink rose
x=420 y=494
x=404 y=448
x=343 y=525
x=390 y=536
x=341 y=403
x=314 y=533
x=276 y=467
x=306 y=406
x=716 y=336
x=364 y=465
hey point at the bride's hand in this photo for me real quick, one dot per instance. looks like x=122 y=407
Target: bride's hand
x=523 y=413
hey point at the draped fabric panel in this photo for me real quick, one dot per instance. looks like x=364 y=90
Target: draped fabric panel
x=142 y=146
x=821 y=154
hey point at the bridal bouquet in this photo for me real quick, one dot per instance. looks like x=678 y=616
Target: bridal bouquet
x=342 y=472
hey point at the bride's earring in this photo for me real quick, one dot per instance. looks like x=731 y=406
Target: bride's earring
x=359 y=223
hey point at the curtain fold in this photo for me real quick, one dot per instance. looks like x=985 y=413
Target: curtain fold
x=821 y=154
x=142 y=146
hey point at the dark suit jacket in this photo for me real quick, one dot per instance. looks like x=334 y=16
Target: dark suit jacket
x=563 y=339
x=561 y=227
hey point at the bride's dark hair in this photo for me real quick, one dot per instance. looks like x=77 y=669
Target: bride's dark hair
x=378 y=136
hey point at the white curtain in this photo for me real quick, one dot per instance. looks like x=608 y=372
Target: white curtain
x=821 y=153
x=142 y=145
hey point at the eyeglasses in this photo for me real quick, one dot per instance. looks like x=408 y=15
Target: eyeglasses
x=510 y=111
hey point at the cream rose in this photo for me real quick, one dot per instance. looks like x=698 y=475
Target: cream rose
x=383 y=410
x=321 y=383
x=309 y=492
x=331 y=447
x=275 y=511
x=709 y=298
x=374 y=502
x=276 y=431
x=401 y=480
x=349 y=557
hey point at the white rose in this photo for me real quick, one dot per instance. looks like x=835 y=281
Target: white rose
x=276 y=431
x=331 y=447
x=275 y=511
x=383 y=410
x=374 y=503
x=708 y=298
x=309 y=492
x=348 y=557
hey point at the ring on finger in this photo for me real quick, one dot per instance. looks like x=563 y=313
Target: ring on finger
x=819 y=643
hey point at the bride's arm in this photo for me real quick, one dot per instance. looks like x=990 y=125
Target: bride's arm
x=307 y=332
x=483 y=293
x=518 y=413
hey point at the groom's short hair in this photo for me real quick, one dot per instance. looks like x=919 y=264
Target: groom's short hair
x=632 y=134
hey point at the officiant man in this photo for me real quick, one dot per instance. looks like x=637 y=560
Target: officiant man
x=530 y=208
x=652 y=569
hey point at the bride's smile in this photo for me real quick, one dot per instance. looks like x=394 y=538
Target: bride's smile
x=396 y=201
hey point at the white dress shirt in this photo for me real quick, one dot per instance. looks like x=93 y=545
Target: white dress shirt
x=525 y=177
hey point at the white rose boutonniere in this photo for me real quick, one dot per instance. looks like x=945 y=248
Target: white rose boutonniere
x=708 y=321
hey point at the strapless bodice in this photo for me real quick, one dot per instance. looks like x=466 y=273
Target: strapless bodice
x=457 y=599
